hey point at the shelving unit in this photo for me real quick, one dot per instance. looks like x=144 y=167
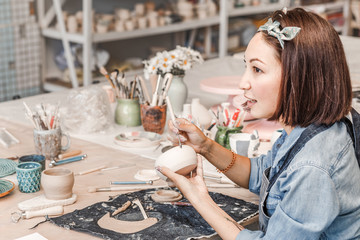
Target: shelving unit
x=87 y=38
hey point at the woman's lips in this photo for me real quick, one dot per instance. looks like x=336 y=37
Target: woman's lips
x=248 y=104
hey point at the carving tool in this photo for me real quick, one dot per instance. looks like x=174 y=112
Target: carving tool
x=130 y=182
x=56 y=210
x=68 y=160
x=178 y=203
x=132 y=188
x=165 y=87
x=219 y=179
x=221 y=185
x=69 y=154
x=122 y=208
x=144 y=88
x=138 y=203
x=90 y=170
x=133 y=87
x=172 y=115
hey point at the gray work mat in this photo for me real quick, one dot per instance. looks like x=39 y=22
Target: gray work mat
x=174 y=222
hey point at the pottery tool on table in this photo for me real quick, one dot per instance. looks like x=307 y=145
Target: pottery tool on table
x=68 y=160
x=122 y=208
x=172 y=115
x=219 y=179
x=69 y=154
x=132 y=188
x=138 y=203
x=130 y=182
x=56 y=210
x=7 y=139
x=178 y=203
x=221 y=185
x=91 y=170
x=41 y=202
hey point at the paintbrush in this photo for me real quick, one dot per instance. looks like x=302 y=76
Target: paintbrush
x=90 y=170
x=172 y=116
x=105 y=73
x=132 y=188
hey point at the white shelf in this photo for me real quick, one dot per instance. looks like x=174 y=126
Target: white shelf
x=112 y=36
x=252 y=10
x=87 y=38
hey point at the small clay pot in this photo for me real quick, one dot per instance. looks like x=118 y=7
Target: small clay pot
x=57 y=183
x=181 y=160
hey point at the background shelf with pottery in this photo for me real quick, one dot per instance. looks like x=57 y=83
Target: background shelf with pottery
x=48 y=10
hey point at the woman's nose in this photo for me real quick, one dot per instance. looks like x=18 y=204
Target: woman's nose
x=244 y=84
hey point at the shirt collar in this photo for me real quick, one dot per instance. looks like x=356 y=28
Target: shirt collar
x=286 y=141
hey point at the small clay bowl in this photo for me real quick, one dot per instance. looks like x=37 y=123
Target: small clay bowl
x=57 y=183
x=181 y=160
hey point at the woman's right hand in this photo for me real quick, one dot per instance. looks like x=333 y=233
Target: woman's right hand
x=189 y=134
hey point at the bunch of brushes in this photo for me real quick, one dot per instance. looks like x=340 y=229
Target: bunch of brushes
x=45 y=116
x=224 y=118
x=123 y=89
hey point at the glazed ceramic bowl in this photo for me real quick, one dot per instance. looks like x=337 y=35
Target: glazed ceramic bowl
x=57 y=183
x=181 y=160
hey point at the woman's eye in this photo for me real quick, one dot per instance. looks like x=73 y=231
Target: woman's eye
x=257 y=70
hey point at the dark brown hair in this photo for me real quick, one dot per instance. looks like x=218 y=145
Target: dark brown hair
x=315 y=82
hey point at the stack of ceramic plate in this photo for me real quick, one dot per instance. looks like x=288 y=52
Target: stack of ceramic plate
x=6 y=187
x=7 y=167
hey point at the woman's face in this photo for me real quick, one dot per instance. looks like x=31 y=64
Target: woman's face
x=261 y=80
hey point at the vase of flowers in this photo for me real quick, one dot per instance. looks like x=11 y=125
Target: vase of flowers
x=176 y=62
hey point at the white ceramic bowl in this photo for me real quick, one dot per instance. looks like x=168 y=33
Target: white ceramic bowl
x=180 y=160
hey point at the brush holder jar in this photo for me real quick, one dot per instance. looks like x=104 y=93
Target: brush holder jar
x=127 y=112
x=49 y=142
x=223 y=135
x=153 y=118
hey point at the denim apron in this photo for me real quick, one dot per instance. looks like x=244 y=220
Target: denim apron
x=353 y=128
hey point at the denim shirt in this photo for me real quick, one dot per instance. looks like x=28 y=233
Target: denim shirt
x=318 y=195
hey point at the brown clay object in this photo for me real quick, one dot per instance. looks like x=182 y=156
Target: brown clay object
x=57 y=183
x=153 y=118
x=166 y=196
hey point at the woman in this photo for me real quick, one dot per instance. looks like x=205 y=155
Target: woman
x=309 y=183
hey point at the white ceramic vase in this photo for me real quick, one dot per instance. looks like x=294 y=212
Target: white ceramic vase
x=178 y=93
x=200 y=113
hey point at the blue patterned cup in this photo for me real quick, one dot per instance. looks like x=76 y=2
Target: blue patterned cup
x=34 y=158
x=28 y=175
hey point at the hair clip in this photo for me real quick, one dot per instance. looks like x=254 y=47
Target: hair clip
x=273 y=29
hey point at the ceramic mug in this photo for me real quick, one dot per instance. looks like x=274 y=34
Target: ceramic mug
x=244 y=144
x=127 y=112
x=34 y=158
x=223 y=134
x=28 y=175
x=48 y=142
x=57 y=183
x=153 y=118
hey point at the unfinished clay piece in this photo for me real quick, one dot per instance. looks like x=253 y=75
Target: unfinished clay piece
x=57 y=183
x=120 y=226
x=166 y=196
x=181 y=160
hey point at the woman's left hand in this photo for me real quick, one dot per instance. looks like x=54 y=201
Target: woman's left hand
x=193 y=187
